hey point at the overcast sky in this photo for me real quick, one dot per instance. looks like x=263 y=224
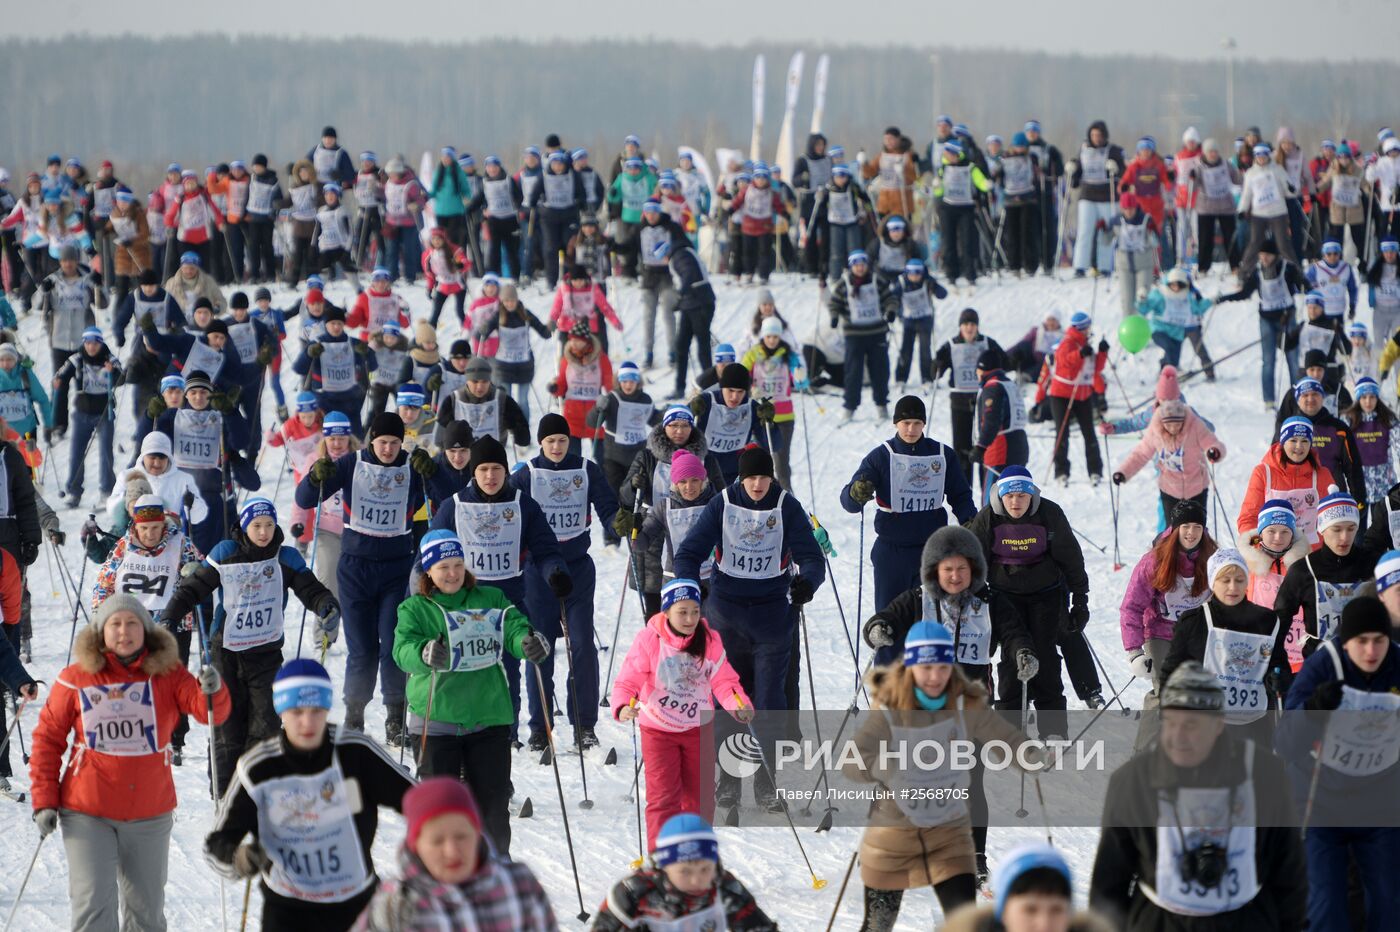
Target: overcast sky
x=1180 y=28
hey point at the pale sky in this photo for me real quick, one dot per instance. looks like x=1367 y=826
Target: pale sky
x=1193 y=29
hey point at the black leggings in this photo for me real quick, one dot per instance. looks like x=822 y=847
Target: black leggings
x=440 y=298
x=882 y=906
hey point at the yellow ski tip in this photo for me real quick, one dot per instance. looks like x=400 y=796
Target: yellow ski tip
x=636 y=863
x=818 y=883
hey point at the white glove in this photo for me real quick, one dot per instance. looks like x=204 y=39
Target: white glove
x=1140 y=664
x=1027 y=666
x=1110 y=166
x=210 y=681
x=47 y=821
x=1071 y=167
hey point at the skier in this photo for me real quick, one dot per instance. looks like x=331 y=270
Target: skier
x=777 y=371
x=917 y=290
x=1183 y=449
x=732 y=421
x=1027 y=355
x=1383 y=295
x=488 y=409
x=650 y=472
x=582 y=300
x=304 y=194
x=685 y=888
x=1374 y=429
x=445 y=267
x=759 y=208
x=1211 y=181
x=117 y=809
x=1150 y=180
x=452 y=877
x=1076 y=372
x=1151 y=871
x=1361 y=359
x=1335 y=279
x=171 y=485
x=566 y=487
x=1291 y=471
x=256 y=345
x=1175 y=312
x=1263 y=203
x=1328 y=578
x=94 y=416
x=450 y=640
x=15 y=678
x=67 y=298
x=382 y=488
x=1000 y=438
x=403 y=208
x=20 y=392
x=958 y=358
x=652 y=558
x=627 y=192
x=450 y=191
x=1277 y=281
x=512 y=359
x=1319 y=338
x=1341 y=185
x=333 y=237
x=1269 y=550
x=345 y=778
x=811 y=174
x=265 y=199
x=846 y=212
x=897 y=170
x=914 y=483
x=585 y=373
x=331 y=159
x=1333 y=441
x=337 y=366
x=658 y=236
x=500 y=200
x=626 y=415
x=194 y=217
x=126 y=237
x=961 y=187
x=1094 y=175
x=695 y=308
x=203 y=347
x=1034 y=893
x=1136 y=243
x=863 y=306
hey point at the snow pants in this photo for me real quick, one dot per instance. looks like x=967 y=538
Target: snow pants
x=402 y=248
x=958 y=224
x=481 y=760
x=1021 y=236
x=678 y=773
x=1261 y=229
x=347 y=403
x=248 y=674
x=920 y=331
x=91 y=430
x=1087 y=232
x=962 y=412
x=370 y=593
x=237 y=249
x=582 y=707
x=692 y=326
x=657 y=293
x=1041 y=613
x=280 y=912
x=115 y=865
x=1272 y=327
x=559 y=228
x=757 y=638
x=1062 y=411
x=262 y=258
x=1376 y=854
x=896 y=570
x=1135 y=273
x=758 y=255
x=846 y=238
x=872 y=351
x=1205 y=240
x=503 y=246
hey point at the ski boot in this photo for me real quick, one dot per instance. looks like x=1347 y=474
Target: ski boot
x=394 y=735
x=177 y=757
x=727 y=792
x=26 y=652
x=354 y=718
x=1095 y=479
x=882 y=413
x=539 y=740
x=585 y=738
x=8 y=792
x=847 y=416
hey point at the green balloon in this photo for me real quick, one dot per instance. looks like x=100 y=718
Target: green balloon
x=1133 y=333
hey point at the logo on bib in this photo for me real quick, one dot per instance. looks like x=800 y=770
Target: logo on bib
x=561 y=489
x=486 y=526
x=920 y=474
x=295 y=810
x=1240 y=659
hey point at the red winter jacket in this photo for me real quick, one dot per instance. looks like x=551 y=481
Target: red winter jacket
x=752 y=225
x=193 y=216
x=1068 y=376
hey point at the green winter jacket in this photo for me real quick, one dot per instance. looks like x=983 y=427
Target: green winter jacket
x=469 y=698
x=632 y=193
x=449 y=197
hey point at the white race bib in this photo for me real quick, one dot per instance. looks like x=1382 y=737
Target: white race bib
x=563 y=496
x=119 y=718
x=491 y=535
x=379 y=499
x=475 y=637
x=306 y=823
x=752 y=541
x=252 y=603
x=198 y=438
x=916 y=482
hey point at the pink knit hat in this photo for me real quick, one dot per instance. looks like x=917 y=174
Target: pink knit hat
x=686 y=465
x=1167 y=389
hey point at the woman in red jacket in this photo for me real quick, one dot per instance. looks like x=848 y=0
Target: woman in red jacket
x=1289 y=471
x=119 y=703
x=585 y=373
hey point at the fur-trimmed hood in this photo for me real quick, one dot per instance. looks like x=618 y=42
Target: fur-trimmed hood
x=1259 y=562
x=662 y=448
x=950 y=541
x=162 y=653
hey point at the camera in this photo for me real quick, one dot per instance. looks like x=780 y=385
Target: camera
x=1206 y=864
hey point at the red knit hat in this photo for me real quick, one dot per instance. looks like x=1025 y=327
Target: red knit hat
x=434 y=797
x=1167 y=389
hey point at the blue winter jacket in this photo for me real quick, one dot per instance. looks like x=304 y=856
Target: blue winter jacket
x=911 y=528
x=537 y=538
x=352 y=542
x=601 y=498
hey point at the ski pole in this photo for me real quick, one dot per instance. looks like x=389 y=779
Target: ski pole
x=1113 y=496
x=636 y=793
x=247 y=895
x=1025 y=721
x=1312 y=782
x=1099 y=714
x=841 y=893
x=860 y=582
x=846 y=628
x=807 y=442
x=559 y=786
x=206 y=658
x=9 y=920
x=817 y=882
x=1088 y=540
x=841 y=729
x=77 y=603
x=427 y=717
x=636 y=581
x=315 y=540
x=48 y=558
x=19 y=710
x=573 y=701
x=816 y=715
x=1103 y=671
x=19 y=729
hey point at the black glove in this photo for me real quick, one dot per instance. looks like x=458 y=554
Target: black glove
x=1103 y=346
x=28 y=552
x=767 y=411
x=265 y=355
x=976 y=453
x=1119 y=478
x=800 y=590
x=47 y=284
x=889 y=317
x=315 y=350
x=1078 y=616
x=361 y=348
x=1086 y=351
x=552 y=386
x=623 y=522
x=422 y=463
x=560 y=584
x=156 y=407
x=250 y=860
x=1213 y=455
x=188 y=500
x=1275 y=682
x=95 y=277
x=879 y=633
x=835 y=322
x=222 y=401
x=322 y=470
x=1325 y=698
x=147 y=323
x=434 y=382
x=48 y=436
x=298 y=530
x=234 y=394
x=535 y=647
x=58 y=537
x=862 y=491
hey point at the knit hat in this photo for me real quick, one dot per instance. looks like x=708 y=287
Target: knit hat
x=457 y=436
x=1022 y=860
x=336 y=424
x=910 y=408
x=725 y=353
x=255 y=508
x=1278 y=511
x=172 y=381
x=215 y=326
x=1188 y=512
x=478 y=369
x=677 y=413
x=1015 y=479
x=307 y=401
x=1192 y=688
x=1314 y=359
x=686 y=465
x=677 y=590
x=1167 y=387
x=386 y=424
x=156 y=443
x=1228 y=556
x=580 y=331
x=410 y=395
x=438 y=545
x=486 y=451
x=1363 y=615
x=1295 y=427
x=551 y=425
x=1336 y=507
x=120 y=602
x=137 y=485
x=928 y=642
x=148 y=508
x=1367 y=386
x=968 y=316
x=1387 y=570
x=333 y=312
x=424 y=332
x=302 y=683
x=238 y=299
x=198 y=379
x=460 y=349
x=92 y=335
x=1081 y=321
x=685 y=837
x=10 y=350
x=990 y=359
x=735 y=376
x=314 y=296
x=755 y=461
x=771 y=327
x=628 y=372
x=434 y=797
x=1315 y=297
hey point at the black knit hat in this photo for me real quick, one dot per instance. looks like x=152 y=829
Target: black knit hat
x=1364 y=615
x=486 y=451
x=990 y=360
x=1314 y=359
x=457 y=436
x=1188 y=512
x=150 y=277
x=910 y=408
x=333 y=312
x=755 y=461
x=550 y=425
x=969 y=316
x=238 y=299
x=735 y=375
x=386 y=424
x=216 y=326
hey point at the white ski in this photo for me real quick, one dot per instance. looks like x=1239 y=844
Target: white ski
x=756 y=140
x=819 y=93
x=783 y=157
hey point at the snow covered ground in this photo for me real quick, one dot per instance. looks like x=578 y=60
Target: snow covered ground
x=605 y=836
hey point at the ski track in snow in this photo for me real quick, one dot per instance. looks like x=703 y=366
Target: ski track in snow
x=605 y=837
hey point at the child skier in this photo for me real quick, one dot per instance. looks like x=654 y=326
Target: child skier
x=917 y=290
x=1291 y=471
x=488 y=410
x=94 y=411
x=1269 y=550
x=585 y=373
x=505 y=341
x=337 y=367
x=1324 y=581
x=777 y=372
x=666 y=525
x=1185 y=451
x=626 y=415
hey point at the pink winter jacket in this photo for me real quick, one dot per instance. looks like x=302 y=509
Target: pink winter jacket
x=658 y=656
x=1144 y=613
x=1179 y=480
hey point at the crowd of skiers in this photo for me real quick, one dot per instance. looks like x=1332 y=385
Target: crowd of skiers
x=444 y=509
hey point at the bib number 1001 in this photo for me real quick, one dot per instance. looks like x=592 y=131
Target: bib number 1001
x=118 y=729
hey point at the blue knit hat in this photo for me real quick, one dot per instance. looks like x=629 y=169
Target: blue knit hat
x=336 y=424
x=1020 y=860
x=685 y=837
x=302 y=684
x=92 y=335
x=439 y=545
x=677 y=413
x=1278 y=512
x=725 y=353
x=858 y=255
x=1016 y=479
x=1081 y=320
x=1303 y=386
x=1387 y=570
x=255 y=508
x=307 y=401
x=410 y=395
x=678 y=590
x=928 y=642
x=172 y=381
x=1295 y=427
x=1367 y=386
x=628 y=372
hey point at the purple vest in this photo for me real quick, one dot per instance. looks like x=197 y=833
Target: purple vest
x=1019 y=544
x=1372 y=441
x=1329 y=447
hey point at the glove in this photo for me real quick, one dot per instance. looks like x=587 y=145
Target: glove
x=824 y=541
x=361 y=348
x=1078 y=617
x=767 y=411
x=560 y=584
x=210 y=681
x=535 y=647
x=322 y=470
x=1026 y=665
x=1119 y=478
x=234 y=394
x=95 y=277
x=315 y=350
x=697 y=404
x=1071 y=167
x=1275 y=683
x=862 y=491
x=188 y=568
x=552 y=386
x=47 y=820
x=1213 y=455
x=156 y=407
x=889 y=317
x=835 y=322
x=802 y=385
x=1140 y=664
x=47 y=284
x=58 y=537
x=1325 y=698
x=436 y=655
x=88 y=531
x=1086 y=351
x=623 y=522
x=1106 y=428
x=1111 y=166
x=222 y=401
x=250 y=860
x=976 y=453
x=26 y=362
x=188 y=500
x=328 y=619
x=434 y=382
x=800 y=590
x=265 y=355
x=147 y=323
x=28 y=552
x=1103 y=346
x=879 y=633
x=298 y=530
x=422 y=463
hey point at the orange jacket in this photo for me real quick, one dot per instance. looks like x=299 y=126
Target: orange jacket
x=1282 y=475
x=1068 y=379
x=576 y=409
x=893 y=198
x=104 y=785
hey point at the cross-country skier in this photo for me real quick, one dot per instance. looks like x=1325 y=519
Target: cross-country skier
x=1324 y=581
x=1136 y=242
x=1174 y=311
x=666 y=525
x=337 y=366
x=488 y=409
x=1276 y=281
x=863 y=306
x=999 y=439
x=958 y=358
x=1263 y=202
x=1075 y=373
x=917 y=290
x=504 y=338
x=1290 y=470
x=731 y=420
x=627 y=415
x=1183 y=449
x=1094 y=175
x=777 y=372
x=1333 y=441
